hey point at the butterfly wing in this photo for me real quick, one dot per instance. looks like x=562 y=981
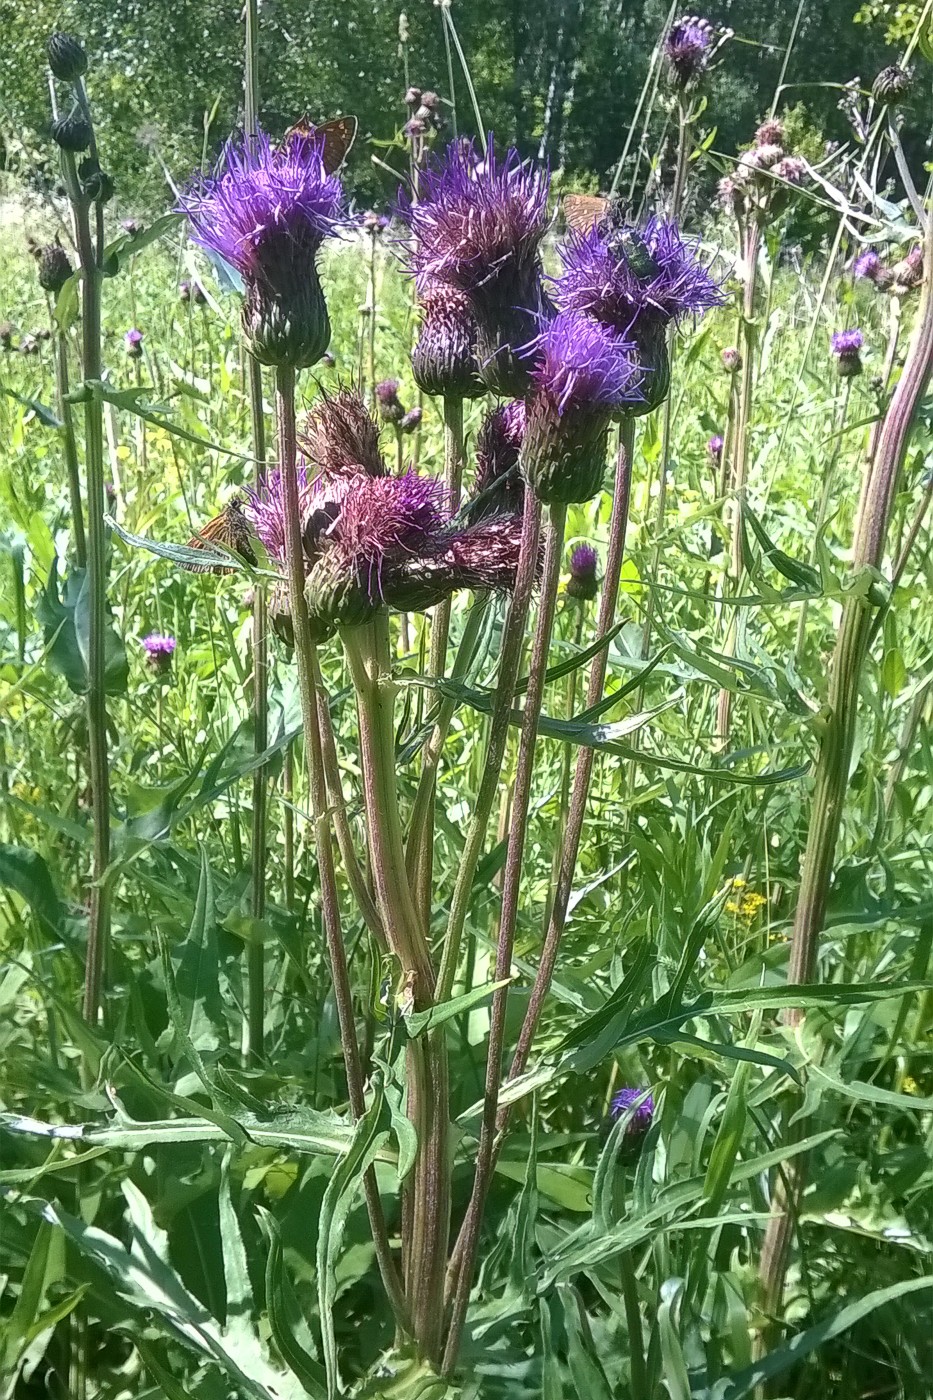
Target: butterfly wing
x=584 y=211
x=335 y=138
x=229 y=529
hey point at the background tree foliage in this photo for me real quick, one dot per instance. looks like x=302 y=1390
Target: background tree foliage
x=563 y=76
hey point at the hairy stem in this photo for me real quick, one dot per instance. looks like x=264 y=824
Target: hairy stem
x=63 y=406
x=306 y=667
x=460 y=1276
x=426 y=1222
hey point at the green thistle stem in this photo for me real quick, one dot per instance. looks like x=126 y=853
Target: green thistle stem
x=426 y=1222
x=98 y=934
x=63 y=405
x=460 y=1275
x=306 y=667
x=832 y=767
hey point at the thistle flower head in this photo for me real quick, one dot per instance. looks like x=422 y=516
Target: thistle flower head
x=478 y=227
x=625 y=1101
x=790 y=170
x=341 y=438
x=265 y=510
x=653 y=274
x=388 y=404
x=867 y=265
x=583 y=365
x=688 y=48
x=159 y=649
x=444 y=358
x=584 y=373
x=731 y=360
x=54 y=267
x=477 y=216
x=582 y=584
x=411 y=421
x=846 y=346
x=714 y=447
x=499 y=486
x=266 y=210
x=907 y=274
x=133 y=343
x=770 y=133
x=892 y=85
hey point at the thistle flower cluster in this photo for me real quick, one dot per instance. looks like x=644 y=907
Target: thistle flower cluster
x=372 y=539
x=765 y=177
x=266 y=210
x=477 y=228
x=899 y=279
x=688 y=48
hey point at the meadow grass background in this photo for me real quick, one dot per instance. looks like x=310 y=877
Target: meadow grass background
x=681 y=862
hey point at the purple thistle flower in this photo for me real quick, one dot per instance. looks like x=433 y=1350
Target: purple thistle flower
x=654 y=274
x=265 y=510
x=133 y=341
x=411 y=420
x=444 y=358
x=390 y=407
x=583 y=365
x=159 y=649
x=624 y=1101
x=846 y=346
x=790 y=170
x=266 y=210
x=582 y=584
x=478 y=227
x=714 y=447
x=867 y=265
x=688 y=48
x=499 y=488
x=584 y=373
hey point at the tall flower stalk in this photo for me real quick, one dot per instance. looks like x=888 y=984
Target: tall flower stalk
x=832 y=768
x=74 y=134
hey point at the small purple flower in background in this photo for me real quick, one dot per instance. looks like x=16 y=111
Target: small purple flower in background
x=159 y=650
x=584 y=373
x=847 y=346
x=625 y=1101
x=688 y=48
x=867 y=265
x=478 y=227
x=411 y=420
x=184 y=291
x=770 y=133
x=133 y=341
x=373 y=223
x=583 y=584
x=388 y=404
x=714 y=448
x=267 y=210
x=791 y=170
x=131 y=226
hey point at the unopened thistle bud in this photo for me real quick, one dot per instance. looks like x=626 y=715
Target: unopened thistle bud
x=66 y=57
x=714 y=448
x=72 y=133
x=444 y=358
x=184 y=291
x=583 y=584
x=731 y=360
x=54 y=268
x=846 y=346
x=892 y=85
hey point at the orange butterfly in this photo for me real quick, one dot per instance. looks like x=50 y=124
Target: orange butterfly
x=336 y=137
x=584 y=211
x=231 y=529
